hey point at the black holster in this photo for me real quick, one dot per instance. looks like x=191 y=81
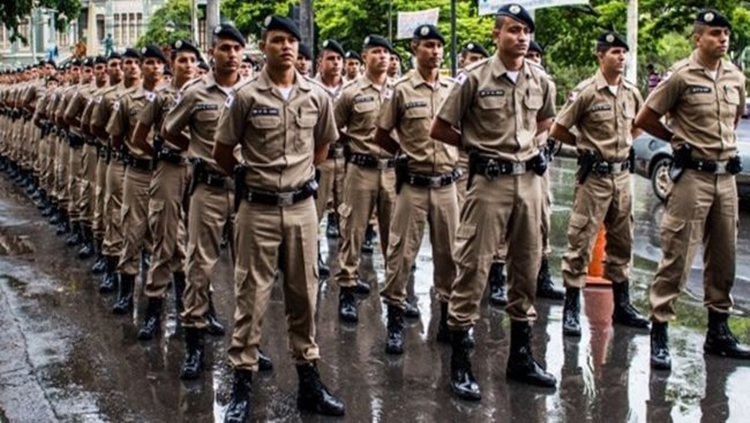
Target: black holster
x=158 y=144
x=199 y=168
x=402 y=171
x=734 y=165
x=631 y=160
x=682 y=157
x=586 y=162
x=539 y=164
x=240 y=189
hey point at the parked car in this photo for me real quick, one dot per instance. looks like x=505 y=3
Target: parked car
x=653 y=156
x=746 y=112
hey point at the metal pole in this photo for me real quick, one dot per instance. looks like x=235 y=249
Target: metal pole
x=454 y=64
x=390 y=21
x=212 y=14
x=194 y=22
x=306 y=21
x=632 y=61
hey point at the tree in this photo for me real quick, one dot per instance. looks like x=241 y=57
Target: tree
x=13 y=11
x=168 y=24
x=248 y=16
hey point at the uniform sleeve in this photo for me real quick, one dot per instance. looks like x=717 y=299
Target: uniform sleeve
x=572 y=113
x=638 y=100
x=99 y=115
x=179 y=117
x=390 y=111
x=87 y=112
x=231 y=127
x=116 y=124
x=664 y=97
x=74 y=107
x=60 y=110
x=150 y=112
x=342 y=110
x=325 y=131
x=743 y=95
x=458 y=101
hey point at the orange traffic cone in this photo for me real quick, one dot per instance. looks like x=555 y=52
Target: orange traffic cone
x=596 y=266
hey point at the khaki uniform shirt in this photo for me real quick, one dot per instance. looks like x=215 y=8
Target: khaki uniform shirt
x=198 y=108
x=88 y=109
x=63 y=100
x=604 y=120
x=357 y=112
x=155 y=111
x=78 y=103
x=104 y=106
x=702 y=110
x=36 y=89
x=410 y=111
x=497 y=117
x=278 y=137
x=125 y=117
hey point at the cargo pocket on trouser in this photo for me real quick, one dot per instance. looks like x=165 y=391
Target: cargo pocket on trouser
x=578 y=254
x=344 y=212
x=156 y=221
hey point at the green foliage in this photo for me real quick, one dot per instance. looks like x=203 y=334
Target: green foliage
x=248 y=16
x=176 y=12
x=13 y=11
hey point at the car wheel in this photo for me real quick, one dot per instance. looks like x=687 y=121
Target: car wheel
x=660 y=180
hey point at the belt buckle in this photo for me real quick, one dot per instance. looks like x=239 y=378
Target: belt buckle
x=436 y=182
x=285 y=199
x=383 y=164
x=721 y=168
x=519 y=168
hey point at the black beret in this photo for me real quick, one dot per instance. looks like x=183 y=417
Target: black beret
x=246 y=58
x=52 y=62
x=131 y=53
x=281 y=23
x=334 y=46
x=203 y=65
x=517 y=12
x=712 y=17
x=167 y=71
x=225 y=30
x=376 y=41
x=477 y=48
x=184 y=45
x=75 y=62
x=100 y=60
x=353 y=55
x=114 y=55
x=153 y=52
x=612 y=39
x=534 y=46
x=51 y=78
x=305 y=51
x=88 y=62
x=428 y=32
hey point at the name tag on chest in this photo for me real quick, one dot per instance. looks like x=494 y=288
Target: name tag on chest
x=364 y=99
x=491 y=93
x=415 y=104
x=698 y=89
x=205 y=106
x=601 y=107
x=264 y=111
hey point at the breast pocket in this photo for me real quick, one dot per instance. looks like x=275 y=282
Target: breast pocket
x=729 y=104
x=263 y=128
x=491 y=112
x=206 y=122
x=365 y=113
x=304 y=140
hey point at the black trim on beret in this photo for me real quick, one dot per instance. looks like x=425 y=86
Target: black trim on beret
x=474 y=47
x=353 y=55
x=305 y=51
x=373 y=40
x=282 y=23
x=517 y=12
x=428 y=32
x=612 y=39
x=131 y=53
x=185 y=45
x=225 y=30
x=334 y=46
x=712 y=17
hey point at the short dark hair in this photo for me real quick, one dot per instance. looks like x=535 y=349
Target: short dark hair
x=500 y=21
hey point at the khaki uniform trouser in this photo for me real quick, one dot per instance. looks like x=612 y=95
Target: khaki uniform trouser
x=100 y=190
x=75 y=176
x=330 y=184
x=507 y=207
x=606 y=199
x=365 y=190
x=113 y=235
x=414 y=207
x=210 y=209
x=269 y=238
x=135 y=231
x=167 y=222
x=48 y=174
x=89 y=162
x=61 y=174
x=701 y=208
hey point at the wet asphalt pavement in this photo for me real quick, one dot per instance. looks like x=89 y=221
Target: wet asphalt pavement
x=65 y=357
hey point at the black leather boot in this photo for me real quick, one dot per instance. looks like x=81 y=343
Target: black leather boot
x=264 y=362
x=463 y=383
x=368 y=247
x=332 y=229
x=124 y=302
x=496 y=280
x=193 y=362
x=101 y=261
x=443 y=334
x=57 y=215
x=411 y=310
x=394 y=343
x=152 y=320
x=75 y=235
x=63 y=225
x=110 y=279
x=545 y=288
x=88 y=249
x=522 y=366
x=625 y=314
x=323 y=270
x=660 y=357
x=238 y=410
x=214 y=327
x=720 y=340
x=572 y=312
x=178 y=279
x=49 y=211
x=313 y=396
x=362 y=288
x=348 y=305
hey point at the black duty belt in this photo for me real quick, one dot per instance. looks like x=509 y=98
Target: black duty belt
x=212 y=179
x=715 y=167
x=136 y=163
x=102 y=150
x=91 y=141
x=492 y=168
x=366 y=160
x=75 y=141
x=336 y=152
x=438 y=181
x=283 y=199
x=604 y=168
x=170 y=155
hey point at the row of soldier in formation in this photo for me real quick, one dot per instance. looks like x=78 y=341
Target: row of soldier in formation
x=131 y=163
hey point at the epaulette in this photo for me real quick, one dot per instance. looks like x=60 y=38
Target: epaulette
x=585 y=83
x=401 y=80
x=312 y=81
x=476 y=65
x=350 y=83
x=679 y=65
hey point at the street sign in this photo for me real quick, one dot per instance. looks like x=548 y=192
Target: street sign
x=489 y=7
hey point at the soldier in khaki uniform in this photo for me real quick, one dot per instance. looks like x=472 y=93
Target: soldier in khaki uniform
x=46 y=141
x=211 y=195
x=370 y=181
x=352 y=65
x=425 y=183
x=165 y=214
x=705 y=97
x=602 y=109
x=330 y=173
x=276 y=221
x=500 y=105
x=115 y=78
x=74 y=117
x=113 y=238
x=134 y=214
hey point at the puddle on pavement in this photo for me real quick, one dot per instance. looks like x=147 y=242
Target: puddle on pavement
x=15 y=245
